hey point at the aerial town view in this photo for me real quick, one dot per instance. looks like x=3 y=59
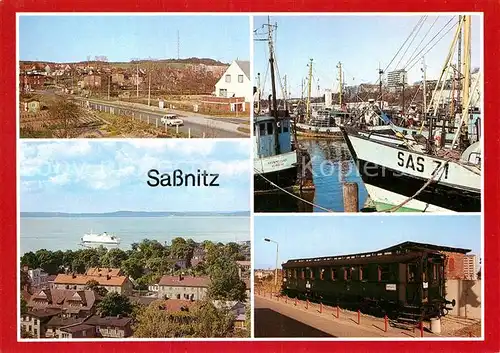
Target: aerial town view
x=397 y=281
x=134 y=76
x=110 y=249
x=379 y=118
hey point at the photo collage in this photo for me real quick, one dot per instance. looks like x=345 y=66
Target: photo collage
x=249 y=176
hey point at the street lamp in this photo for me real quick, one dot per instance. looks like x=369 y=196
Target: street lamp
x=276 y=273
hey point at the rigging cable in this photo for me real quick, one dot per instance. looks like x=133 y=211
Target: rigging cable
x=290 y=193
x=418 y=56
x=411 y=42
x=418 y=46
x=402 y=45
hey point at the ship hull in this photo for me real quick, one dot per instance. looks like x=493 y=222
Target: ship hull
x=393 y=175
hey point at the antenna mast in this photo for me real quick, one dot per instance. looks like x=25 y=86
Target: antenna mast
x=339 y=66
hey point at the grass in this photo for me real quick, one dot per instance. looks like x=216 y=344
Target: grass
x=120 y=126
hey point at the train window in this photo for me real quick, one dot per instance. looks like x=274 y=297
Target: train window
x=412 y=272
x=384 y=273
x=311 y=273
x=347 y=273
x=302 y=273
x=322 y=274
x=363 y=273
x=333 y=274
x=434 y=273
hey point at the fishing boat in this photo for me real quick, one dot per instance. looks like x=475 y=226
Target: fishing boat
x=275 y=158
x=99 y=239
x=421 y=174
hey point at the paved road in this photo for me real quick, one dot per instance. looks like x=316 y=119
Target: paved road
x=197 y=126
x=277 y=319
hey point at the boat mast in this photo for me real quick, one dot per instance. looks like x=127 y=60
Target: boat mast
x=284 y=93
x=459 y=71
x=424 y=69
x=273 y=86
x=380 y=73
x=466 y=84
x=339 y=66
x=309 y=87
x=258 y=92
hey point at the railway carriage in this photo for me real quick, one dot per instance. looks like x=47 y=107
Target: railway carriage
x=406 y=281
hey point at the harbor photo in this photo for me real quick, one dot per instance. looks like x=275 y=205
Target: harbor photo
x=134 y=239
x=375 y=119
x=329 y=277
x=134 y=76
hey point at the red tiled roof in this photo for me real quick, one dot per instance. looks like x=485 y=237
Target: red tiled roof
x=104 y=271
x=62 y=299
x=175 y=305
x=189 y=281
x=83 y=279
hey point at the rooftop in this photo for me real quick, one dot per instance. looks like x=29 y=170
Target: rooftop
x=115 y=321
x=98 y=271
x=244 y=66
x=76 y=328
x=181 y=281
x=104 y=280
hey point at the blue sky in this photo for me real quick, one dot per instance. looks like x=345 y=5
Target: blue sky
x=305 y=236
x=359 y=42
x=120 y=38
x=106 y=176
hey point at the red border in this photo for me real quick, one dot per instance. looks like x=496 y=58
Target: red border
x=8 y=278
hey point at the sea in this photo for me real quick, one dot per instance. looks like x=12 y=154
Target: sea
x=64 y=233
x=331 y=166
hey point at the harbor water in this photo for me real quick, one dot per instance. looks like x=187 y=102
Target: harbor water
x=331 y=166
x=64 y=233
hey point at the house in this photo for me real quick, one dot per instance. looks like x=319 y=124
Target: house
x=176 y=305
x=235 y=82
x=50 y=281
x=98 y=271
x=92 y=81
x=32 y=81
x=237 y=308
x=37 y=276
x=77 y=331
x=58 y=322
x=118 y=284
x=247 y=287
x=118 y=79
x=35 y=321
x=198 y=256
x=111 y=326
x=244 y=268
x=180 y=287
x=76 y=303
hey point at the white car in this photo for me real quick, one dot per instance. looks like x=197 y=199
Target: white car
x=171 y=120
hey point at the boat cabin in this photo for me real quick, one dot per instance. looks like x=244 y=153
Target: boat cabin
x=264 y=137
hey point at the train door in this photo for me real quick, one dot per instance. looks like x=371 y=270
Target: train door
x=413 y=283
x=402 y=283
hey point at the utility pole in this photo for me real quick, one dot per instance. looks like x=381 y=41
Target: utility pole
x=109 y=86
x=137 y=80
x=380 y=77
x=309 y=87
x=149 y=89
x=339 y=66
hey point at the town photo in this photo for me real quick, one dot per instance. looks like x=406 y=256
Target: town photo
x=381 y=276
x=134 y=76
x=109 y=248
x=379 y=113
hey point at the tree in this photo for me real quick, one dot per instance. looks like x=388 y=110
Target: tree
x=96 y=287
x=225 y=283
x=114 y=258
x=24 y=306
x=115 y=304
x=25 y=334
x=132 y=267
x=156 y=322
x=30 y=259
x=211 y=321
x=78 y=265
